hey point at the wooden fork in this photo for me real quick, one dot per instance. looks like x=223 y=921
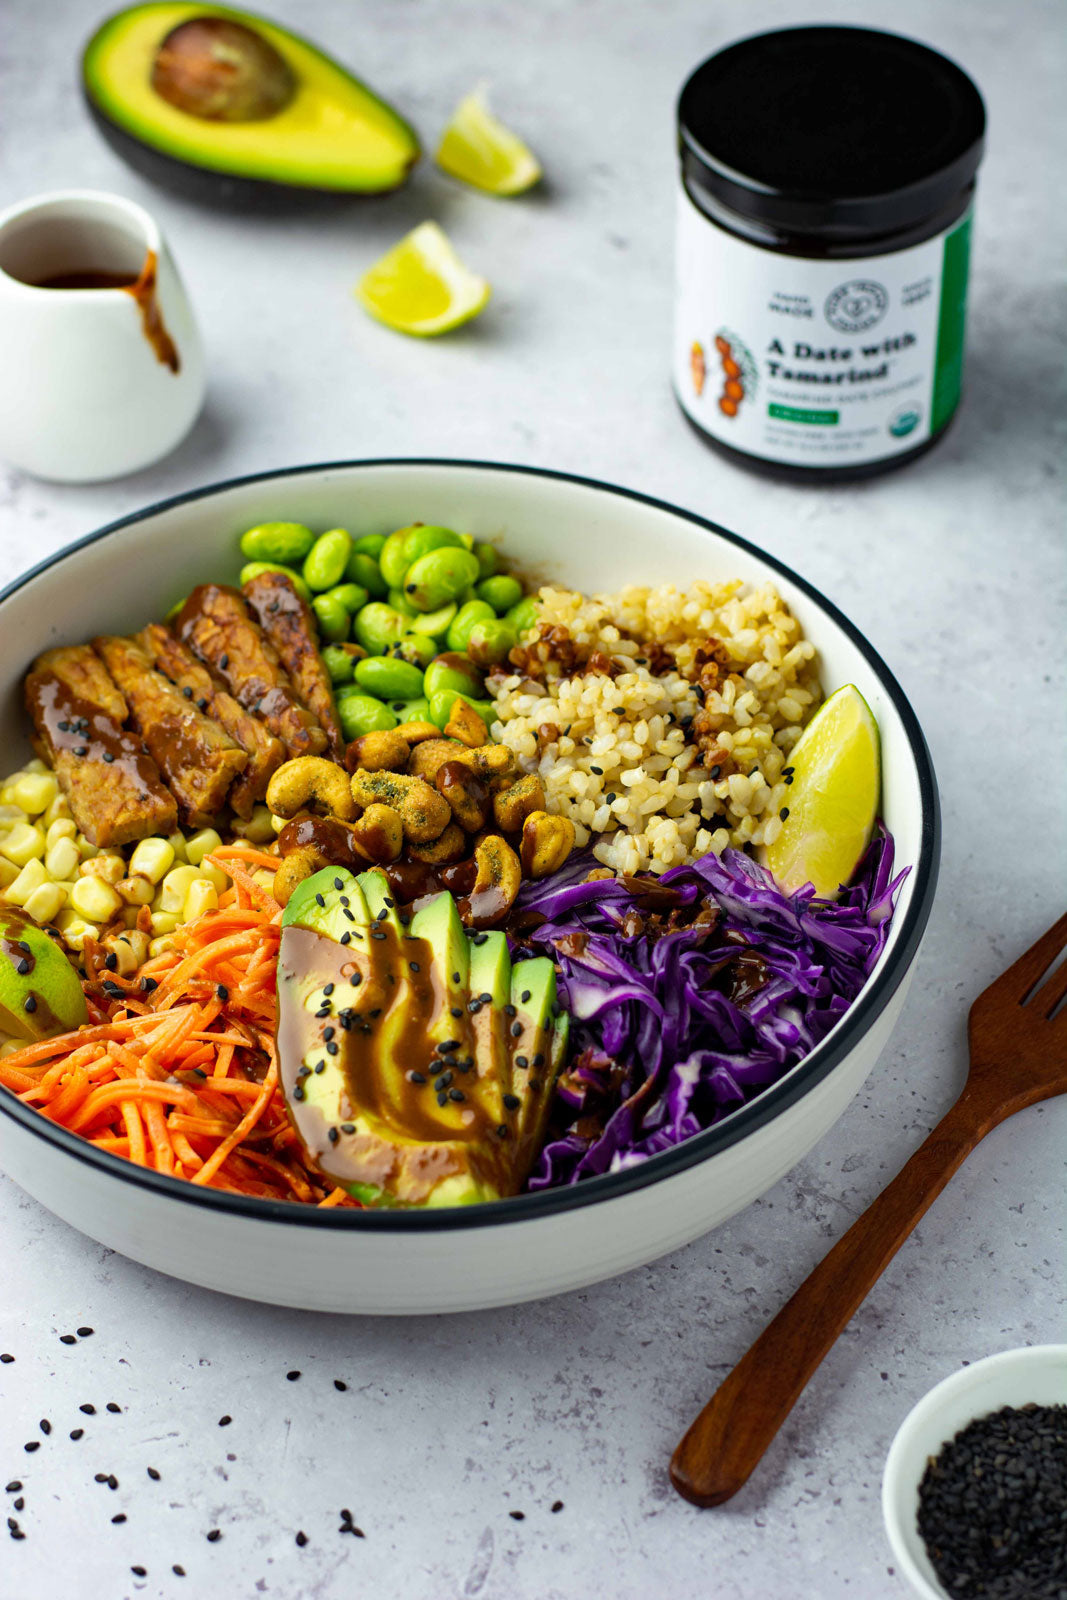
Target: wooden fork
x=1018 y=1055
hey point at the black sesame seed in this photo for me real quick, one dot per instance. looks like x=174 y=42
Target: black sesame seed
x=349 y=914
x=82 y=750
x=376 y=933
x=414 y=965
x=64 y=727
x=187 y=692
x=557 y=1505
x=30 y=1003
x=512 y=1102
x=456 y=1094
x=301 y=1538
x=64 y=1338
x=178 y=1571
x=292 y=1376
x=320 y=899
x=20 y=1503
x=443 y=1081
x=214 y=1536
x=85 y=1333
x=447 y=1045
x=224 y=662
x=14 y=1486
x=120 y=1516
x=509 y=1010
x=17 y=1533
x=45 y=1426
x=32 y=1445
x=77 y=1433
x=224 y=1422
x=525 y=997
x=327 y=988
x=517 y=1516
x=534 y=1084
x=333 y=1135
x=348 y=1127
x=521 y=1061
x=328 y=1033
x=148 y=984
x=99 y=1477
x=608 y=798
x=442 y=1099
x=111 y=962
x=455 y=1011
x=598 y=770
x=516 y=1030
x=455 y=977
x=7 y=1358
x=356 y=979
x=714 y=773
x=298 y=1093
x=321 y=1067
x=416 y=1077
x=113 y=1406
x=202 y=703
x=153 y=1474
x=221 y=992
x=340 y=1385
x=502 y=1131
x=346 y=938
x=332 y=1048
x=112 y=1481
x=139 y=1572
x=784 y=812
x=538 y=1060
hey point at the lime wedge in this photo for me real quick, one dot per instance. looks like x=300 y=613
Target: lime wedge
x=478 y=149
x=421 y=286
x=833 y=799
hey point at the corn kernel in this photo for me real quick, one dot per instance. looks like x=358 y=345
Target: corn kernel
x=152 y=858
x=265 y=878
x=214 y=875
x=36 y=765
x=164 y=922
x=176 y=840
x=10 y=815
x=8 y=873
x=75 y=929
x=129 y=950
x=61 y=859
x=45 y=903
x=30 y=878
x=135 y=890
x=60 y=828
x=58 y=811
x=258 y=829
x=175 y=887
x=202 y=897
x=109 y=867
x=160 y=946
x=95 y=900
x=199 y=845
x=23 y=843
x=86 y=850
x=35 y=792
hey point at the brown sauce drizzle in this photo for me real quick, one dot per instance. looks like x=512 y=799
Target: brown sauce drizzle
x=330 y=838
x=83 y=731
x=142 y=291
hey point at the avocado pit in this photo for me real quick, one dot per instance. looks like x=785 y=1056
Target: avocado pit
x=222 y=71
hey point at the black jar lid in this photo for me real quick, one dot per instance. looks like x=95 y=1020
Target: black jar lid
x=845 y=132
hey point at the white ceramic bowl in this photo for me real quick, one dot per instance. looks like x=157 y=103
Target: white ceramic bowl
x=592 y=537
x=1034 y=1374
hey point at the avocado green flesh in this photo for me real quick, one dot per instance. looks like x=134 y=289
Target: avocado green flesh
x=399 y=1004
x=35 y=972
x=335 y=134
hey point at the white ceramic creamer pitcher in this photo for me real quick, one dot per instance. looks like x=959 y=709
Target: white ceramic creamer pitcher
x=101 y=367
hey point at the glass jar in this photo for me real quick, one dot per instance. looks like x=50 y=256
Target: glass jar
x=828 y=176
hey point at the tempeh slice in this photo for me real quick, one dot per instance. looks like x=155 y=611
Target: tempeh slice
x=290 y=627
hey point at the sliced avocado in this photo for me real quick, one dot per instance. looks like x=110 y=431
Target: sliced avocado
x=288 y=121
x=331 y=902
x=490 y=975
x=40 y=992
x=533 y=997
x=438 y=923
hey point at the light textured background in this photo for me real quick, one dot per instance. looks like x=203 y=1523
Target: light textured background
x=954 y=569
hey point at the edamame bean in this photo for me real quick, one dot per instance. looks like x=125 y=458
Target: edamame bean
x=489 y=642
x=441 y=707
x=254 y=568
x=378 y=627
x=464 y=620
x=338 y=663
x=438 y=577
x=352 y=596
x=408 y=544
x=411 y=710
x=435 y=624
x=370 y=544
x=277 y=541
x=362 y=713
x=452 y=674
x=327 y=559
x=488 y=560
x=363 y=569
x=502 y=592
x=525 y=614
x=400 y=602
x=333 y=619
x=418 y=648
x=389 y=678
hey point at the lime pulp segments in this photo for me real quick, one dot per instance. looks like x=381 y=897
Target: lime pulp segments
x=477 y=148
x=421 y=287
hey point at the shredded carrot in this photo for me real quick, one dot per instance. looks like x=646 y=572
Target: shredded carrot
x=178 y=1074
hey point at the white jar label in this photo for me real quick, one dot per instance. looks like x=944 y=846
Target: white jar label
x=818 y=363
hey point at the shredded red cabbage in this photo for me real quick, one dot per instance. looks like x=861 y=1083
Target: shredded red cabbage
x=690 y=993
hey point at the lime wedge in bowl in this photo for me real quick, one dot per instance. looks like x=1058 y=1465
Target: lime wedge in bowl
x=833 y=799
x=421 y=287
x=478 y=149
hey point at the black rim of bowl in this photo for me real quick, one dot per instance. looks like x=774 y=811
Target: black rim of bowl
x=764 y=1108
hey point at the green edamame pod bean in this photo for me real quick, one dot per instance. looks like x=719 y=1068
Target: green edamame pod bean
x=408 y=544
x=452 y=674
x=411 y=710
x=389 y=678
x=363 y=569
x=277 y=541
x=361 y=713
x=378 y=627
x=467 y=541
x=435 y=624
x=489 y=642
x=441 y=707
x=402 y=603
x=253 y=569
x=370 y=544
x=327 y=559
x=338 y=663
x=352 y=596
x=525 y=614
x=502 y=592
x=464 y=620
x=434 y=579
x=418 y=648
x=332 y=617
x=488 y=560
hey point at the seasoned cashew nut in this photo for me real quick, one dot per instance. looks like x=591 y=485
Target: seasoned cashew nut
x=417 y=732
x=310 y=783
x=424 y=813
x=451 y=846
x=380 y=832
x=378 y=752
x=498 y=879
x=466 y=725
x=431 y=754
x=513 y=804
x=465 y=792
x=294 y=869
x=547 y=841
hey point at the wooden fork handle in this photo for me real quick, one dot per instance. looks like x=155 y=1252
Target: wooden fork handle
x=727 y=1441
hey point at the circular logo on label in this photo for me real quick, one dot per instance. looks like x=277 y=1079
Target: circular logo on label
x=856 y=305
x=905 y=422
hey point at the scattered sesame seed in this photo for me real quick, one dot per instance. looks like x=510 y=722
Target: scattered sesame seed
x=784 y=812
x=509 y=1009
x=7 y=1358
x=456 y=1094
x=85 y=1333
x=214 y=1536
x=112 y=1481
x=224 y=1422
x=346 y=938
x=557 y=1505
x=502 y=1132
x=517 y=1516
x=221 y=992
x=298 y=1093
x=179 y=1571
x=45 y=1426
x=30 y=1003
x=598 y=770
x=111 y=962
x=31 y=1446
x=516 y=1030
x=347 y=1127
x=14 y=1486
x=340 y=1385
x=120 y=1516
x=301 y=1538
x=67 y=1338
x=77 y=1433
x=333 y=1135
x=153 y=1474
x=512 y=1102
x=320 y=900
x=112 y=1405
x=19 y=1503
x=99 y=1477
x=525 y=997
x=416 y=1077
x=332 y=1048
x=292 y=1376
x=139 y=1572
x=442 y=1099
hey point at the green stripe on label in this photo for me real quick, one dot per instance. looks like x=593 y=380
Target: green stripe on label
x=951 y=326
x=820 y=419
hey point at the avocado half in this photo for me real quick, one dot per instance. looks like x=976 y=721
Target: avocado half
x=334 y=137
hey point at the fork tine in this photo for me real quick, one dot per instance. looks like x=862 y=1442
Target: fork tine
x=1051 y=992
x=1032 y=965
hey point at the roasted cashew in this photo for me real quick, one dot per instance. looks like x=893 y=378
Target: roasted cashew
x=466 y=725
x=424 y=813
x=512 y=805
x=378 y=752
x=431 y=754
x=465 y=792
x=547 y=841
x=380 y=832
x=311 y=783
x=498 y=879
x=417 y=732
x=451 y=846
x=294 y=869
